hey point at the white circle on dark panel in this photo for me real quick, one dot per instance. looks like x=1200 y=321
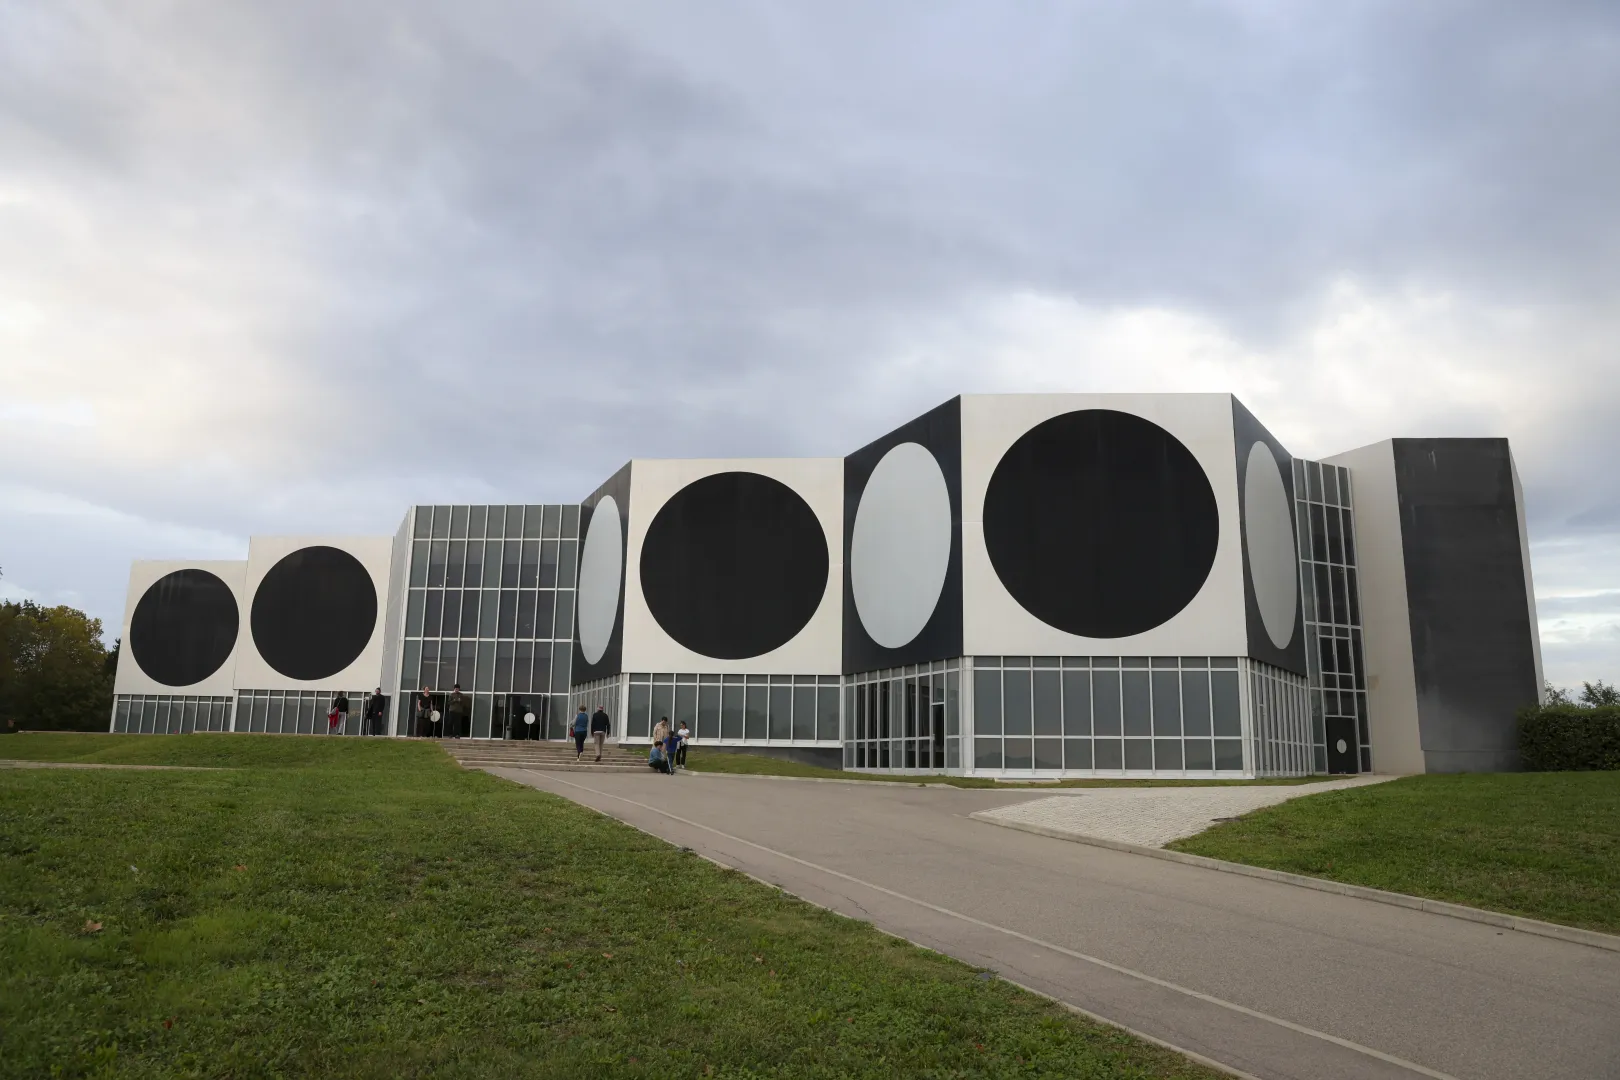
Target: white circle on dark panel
x=1341 y=745
x=601 y=565
x=528 y=718
x=1268 y=535
x=900 y=548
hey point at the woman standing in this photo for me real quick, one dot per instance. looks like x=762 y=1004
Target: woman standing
x=424 y=714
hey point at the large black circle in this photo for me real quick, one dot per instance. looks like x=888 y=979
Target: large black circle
x=1101 y=523
x=184 y=627
x=313 y=613
x=734 y=565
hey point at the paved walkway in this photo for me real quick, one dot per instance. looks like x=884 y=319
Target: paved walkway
x=19 y=763
x=1269 y=979
x=1152 y=817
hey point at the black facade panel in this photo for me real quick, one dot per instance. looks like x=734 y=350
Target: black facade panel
x=184 y=627
x=1473 y=645
x=1101 y=523
x=617 y=486
x=939 y=431
x=734 y=565
x=314 y=613
x=1246 y=432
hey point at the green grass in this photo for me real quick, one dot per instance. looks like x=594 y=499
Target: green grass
x=366 y=908
x=759 y=765
x=1542 y=845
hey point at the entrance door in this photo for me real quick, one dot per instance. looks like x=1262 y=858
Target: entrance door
x=1342 y=753
x=525 y=716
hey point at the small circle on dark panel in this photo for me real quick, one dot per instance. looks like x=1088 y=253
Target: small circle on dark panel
x=184 y=627
x=314 y=613
x=1101 y=523
x=734 y=565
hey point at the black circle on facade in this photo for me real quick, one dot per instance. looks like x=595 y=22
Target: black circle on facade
x=313 y=613
x=734 y=565
x=184 y=627
x=1100 y=523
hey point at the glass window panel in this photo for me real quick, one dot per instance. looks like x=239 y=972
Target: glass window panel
x=1048 y=704
x=1015 y=661
x=514 y=521
x=525 y=613
x=708 y=712
x=432 y=612
x=564 y=626
x=685 y=705
x=441 y=522
x=1224 y=695
x=907 y=691
x=483 y=705
x=476 y=516
x=827 y=713
x=731 y=711
x=413 y=612
x=570 y=520
x=987 y=753
x=1313 y=480
x=541 y=682
x=272 y=715
x=492 y=564
x=1105 y=697
x=458 y=522
x=188 y=716
x=121 y=714
x=637 y=724
x=987 y=661
x=562 y=660
x=507 y=624
x=469 y=613
x=1045 y=661
x=804 y=712
x=1330 y=484
x=544 y=611
x=1308 y=593
x=567 y=557
x=529 y=572
x=987 y=703
x=1166 y=703
x=532 y=516
x=553 y=519
x=438 y=552
x=1049 y=753
x=430 y=665
x=455 y=564
x=451 y=623
x=754 y=727
x=419 y=562
x=424 y=522
x=1133 y=661
x=1139 y=755
x=511 y=557
x=1077 y=703
x=1167 y=754
x=1195 y=702
x=1229 y=755
x=1200 y=754
x=523 y=666
x=484 y=677
x=781 y=708
x=1138 y=705
x=488 y=612
x=1019 y=753
x=1319 y=544
x=1349 y=538
x=663 y=702
x=1017 y=705
x=548 y=564
x=1335 y=535
x=953 y=721
x=473 y=564
x=261 y=709
x=1077 y=753
x=1324 y=593
x=1326 y=660
x=306 y=715
x=1353 y=612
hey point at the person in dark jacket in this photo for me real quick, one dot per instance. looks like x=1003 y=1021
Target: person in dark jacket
x=424 y=714
x=581 y=726
x=338 y=719
x=456 y=712
x=376 y=714
x=599 y=729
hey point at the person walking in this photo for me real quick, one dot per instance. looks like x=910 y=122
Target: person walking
x=599 y=729
x=424 y=714
x=672 y=743
x=582 y=725
x=339 y=714
x=376 y=714
x=680 y=750
x=456 y=712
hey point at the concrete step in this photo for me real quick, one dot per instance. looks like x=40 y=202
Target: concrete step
x=558 y=766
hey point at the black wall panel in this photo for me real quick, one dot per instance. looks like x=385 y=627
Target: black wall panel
x=940 y=432
x=734 y=565
x=1246 y=432
x=617 y=486
x=1101 y=523
x=1472 y=639
x=314 y=613
x=184 y=627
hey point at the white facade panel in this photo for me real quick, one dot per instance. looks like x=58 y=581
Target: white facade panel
x=143 y=574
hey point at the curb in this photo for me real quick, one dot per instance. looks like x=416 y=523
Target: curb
x=1593 y=938
x=22 y=763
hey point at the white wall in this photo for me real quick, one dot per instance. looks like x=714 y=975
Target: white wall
x=815 y=650
x=1212 y=624
x=130 y=679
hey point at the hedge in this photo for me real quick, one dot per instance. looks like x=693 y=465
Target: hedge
x=1564 y=738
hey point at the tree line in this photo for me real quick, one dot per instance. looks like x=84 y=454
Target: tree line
x=55 y=674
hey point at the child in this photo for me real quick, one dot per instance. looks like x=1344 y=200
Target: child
x=672 y=742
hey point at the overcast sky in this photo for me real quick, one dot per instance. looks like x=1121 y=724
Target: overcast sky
x=290 y=267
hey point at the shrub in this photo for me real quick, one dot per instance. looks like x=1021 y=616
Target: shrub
x=1564 y=738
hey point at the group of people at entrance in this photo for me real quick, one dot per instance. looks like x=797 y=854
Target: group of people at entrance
x=457 y=710
x=596 y=725
x=668 y=751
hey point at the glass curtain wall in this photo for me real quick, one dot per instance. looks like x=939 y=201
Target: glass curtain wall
x=905 y=719
x=170 y=714
x=741 y=709
x=603 y=692
x=298 y=712
x=1279 y=706
x=490 y=604
x=1331 y=593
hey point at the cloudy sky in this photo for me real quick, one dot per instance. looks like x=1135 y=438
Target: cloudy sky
x=293 y=266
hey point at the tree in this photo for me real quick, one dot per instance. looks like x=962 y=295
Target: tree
x=54 y=673
x=1599 y=693
x=1557 y=695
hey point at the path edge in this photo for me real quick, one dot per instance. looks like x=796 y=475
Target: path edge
x=1596 y=939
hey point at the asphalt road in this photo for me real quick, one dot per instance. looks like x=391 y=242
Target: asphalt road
x=1265 y=978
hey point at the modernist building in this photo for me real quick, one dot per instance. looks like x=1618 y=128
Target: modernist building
x=1008 y=585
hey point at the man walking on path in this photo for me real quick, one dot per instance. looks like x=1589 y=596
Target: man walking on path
x=599 y=729
x=376 y=714
x=456 y=710
x=581 y=726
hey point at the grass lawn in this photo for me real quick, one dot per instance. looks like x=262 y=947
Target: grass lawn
x=367 y=908
x=1544 y=845
x=759 y=765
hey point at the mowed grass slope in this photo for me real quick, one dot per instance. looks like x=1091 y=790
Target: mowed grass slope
x=366 y=908
x=1542 y=845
